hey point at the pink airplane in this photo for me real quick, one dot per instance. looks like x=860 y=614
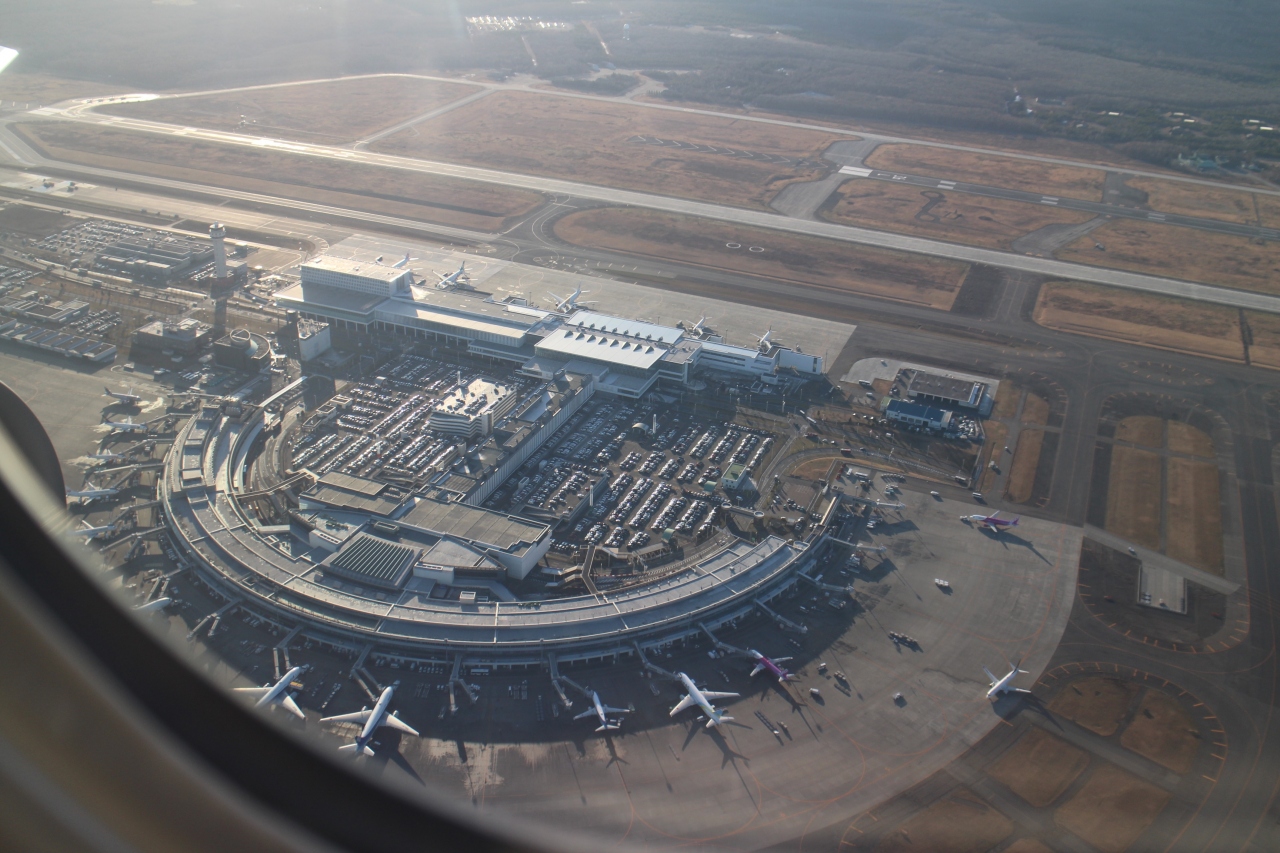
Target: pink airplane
x=763 y=663
x=992 y=522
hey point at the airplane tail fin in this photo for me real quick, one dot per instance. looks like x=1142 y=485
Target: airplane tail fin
x=609 y=727
x=713 y=722
x=357 y=749
x=1014 y=523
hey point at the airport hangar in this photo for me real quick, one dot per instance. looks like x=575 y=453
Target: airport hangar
x=357 y=565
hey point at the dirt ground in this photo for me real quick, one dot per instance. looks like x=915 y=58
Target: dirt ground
x=1163 y=731
x=1022 y=472
x=1183 y=253
x=393 y=192
x=1197 y=200
x=1264 y=348
x=959 y=218
x=1155 y=321
x=992 y=448
x=1269 y=208
x=331 y=113
x=1027 y=845
x=1184 y=438
x=1096 y=703
x=813 y=469
x=1112 y=809
x=1194 y=529
x=35 y=222
x=1035 y=410
x=585 y=140
x=990 y=170
x=1006 y=401
x=1146 y=430
x=958 y=823
x=1040 y=767
x=811 y=261
x=1133 y=498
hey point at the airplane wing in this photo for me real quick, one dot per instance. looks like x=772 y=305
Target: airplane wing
x=686 y=702
x=609 y=710
x=710 y=695
x=253 y=692
x=291 y=706
x=781 y=660
x=361 y=717
x=990 y=676
x=590 y=712
x=759 y=669
x=392 y=721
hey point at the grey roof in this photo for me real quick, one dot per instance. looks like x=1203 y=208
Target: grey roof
x=473 y=524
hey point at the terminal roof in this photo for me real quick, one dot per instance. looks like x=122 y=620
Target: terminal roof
x=620 y=325
x=363 y=269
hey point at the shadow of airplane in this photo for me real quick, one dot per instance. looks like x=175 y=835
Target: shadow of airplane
x=1008 y=537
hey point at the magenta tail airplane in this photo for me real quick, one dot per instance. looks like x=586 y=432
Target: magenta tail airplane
x=765 y=664
x=992 y=522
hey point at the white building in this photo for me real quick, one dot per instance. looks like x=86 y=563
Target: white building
x=313 y=339
x=471 y=410
x=356 y=276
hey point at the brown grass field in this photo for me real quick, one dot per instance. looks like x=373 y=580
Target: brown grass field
x=1098 y=704
x=1264 y=351
x=1035 y=410
x=958 y=823
x=586 y=140
x=992 y=448
x=1006 y=401
x=1163 y=731
x=1027 y=845
x=1269 y=210
x=958 y=218
x=1133 y=496
x=1184 y=253
x=1022 y=472
x=330 y=113
x=1146 y=430
x=1197 y=200
x=1162 y=322
x=1112 y=809
x=810 y=261
x=430 y=198
x=813 y=469
x=1040 y=767
x=1194 y=529
x=1184 y=438
x=42 y=89
x=989 y=170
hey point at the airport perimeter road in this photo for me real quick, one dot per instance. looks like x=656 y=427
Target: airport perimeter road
x=1201 y=223
x=757 y=219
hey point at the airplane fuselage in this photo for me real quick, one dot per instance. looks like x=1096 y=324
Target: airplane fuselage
x=375 y=719
x=771 y=667
x=279 y=687
x=692 y=689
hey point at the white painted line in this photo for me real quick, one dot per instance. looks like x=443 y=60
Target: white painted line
x=946 y=185
x=1048 y=201
x=854 y=170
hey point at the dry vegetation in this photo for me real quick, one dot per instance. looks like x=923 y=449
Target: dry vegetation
x=1027 y=845
x=959 y=218
x=1184 y=438
x=1147 y=430
x=1035 y=410
x=1194 y=530
x=1156 y=321
x=810 y=261
x=1022 y=472
x=1040 y=767
x=1163 y=731
x=331 y=112
x=1006 y=400
x=1264 y=348
x=958 y=823
x=1133 y=496
x=1183 y=253
x=36 y=89
x=1112 y=809
x=586 y=140
x=1098 y=704
x=1197 y=200
x=394 y=192
x=990 y=170
x=992 y=448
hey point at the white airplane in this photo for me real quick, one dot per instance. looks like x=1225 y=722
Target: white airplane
x=703 y=699
x=91 y=493
x=276 y=694
x=1000 y=686
x=371 y=720
x=699 y=326
x=457 y=277
x=90 y=532
x=570 y=302
x=602 y=711
x=992 y=522
x=766 y=339
x=125 y=426
x=402 y=263
x=153 y=606
x=127 y=397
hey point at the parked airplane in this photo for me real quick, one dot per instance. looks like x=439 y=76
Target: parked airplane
x=403 y=262
x=458 y=277
x=766 y=339
x=1000 y=686
x=697 y=327
x=127 y=397
x=564 y=306
x=763 y=663
x=90 y=532
x=276 y=694
x=371 y=720
x=703 y=699
x=602 y=711
x=125 y=426
x=91 y=493
x=153 y=606
x=992 y=522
